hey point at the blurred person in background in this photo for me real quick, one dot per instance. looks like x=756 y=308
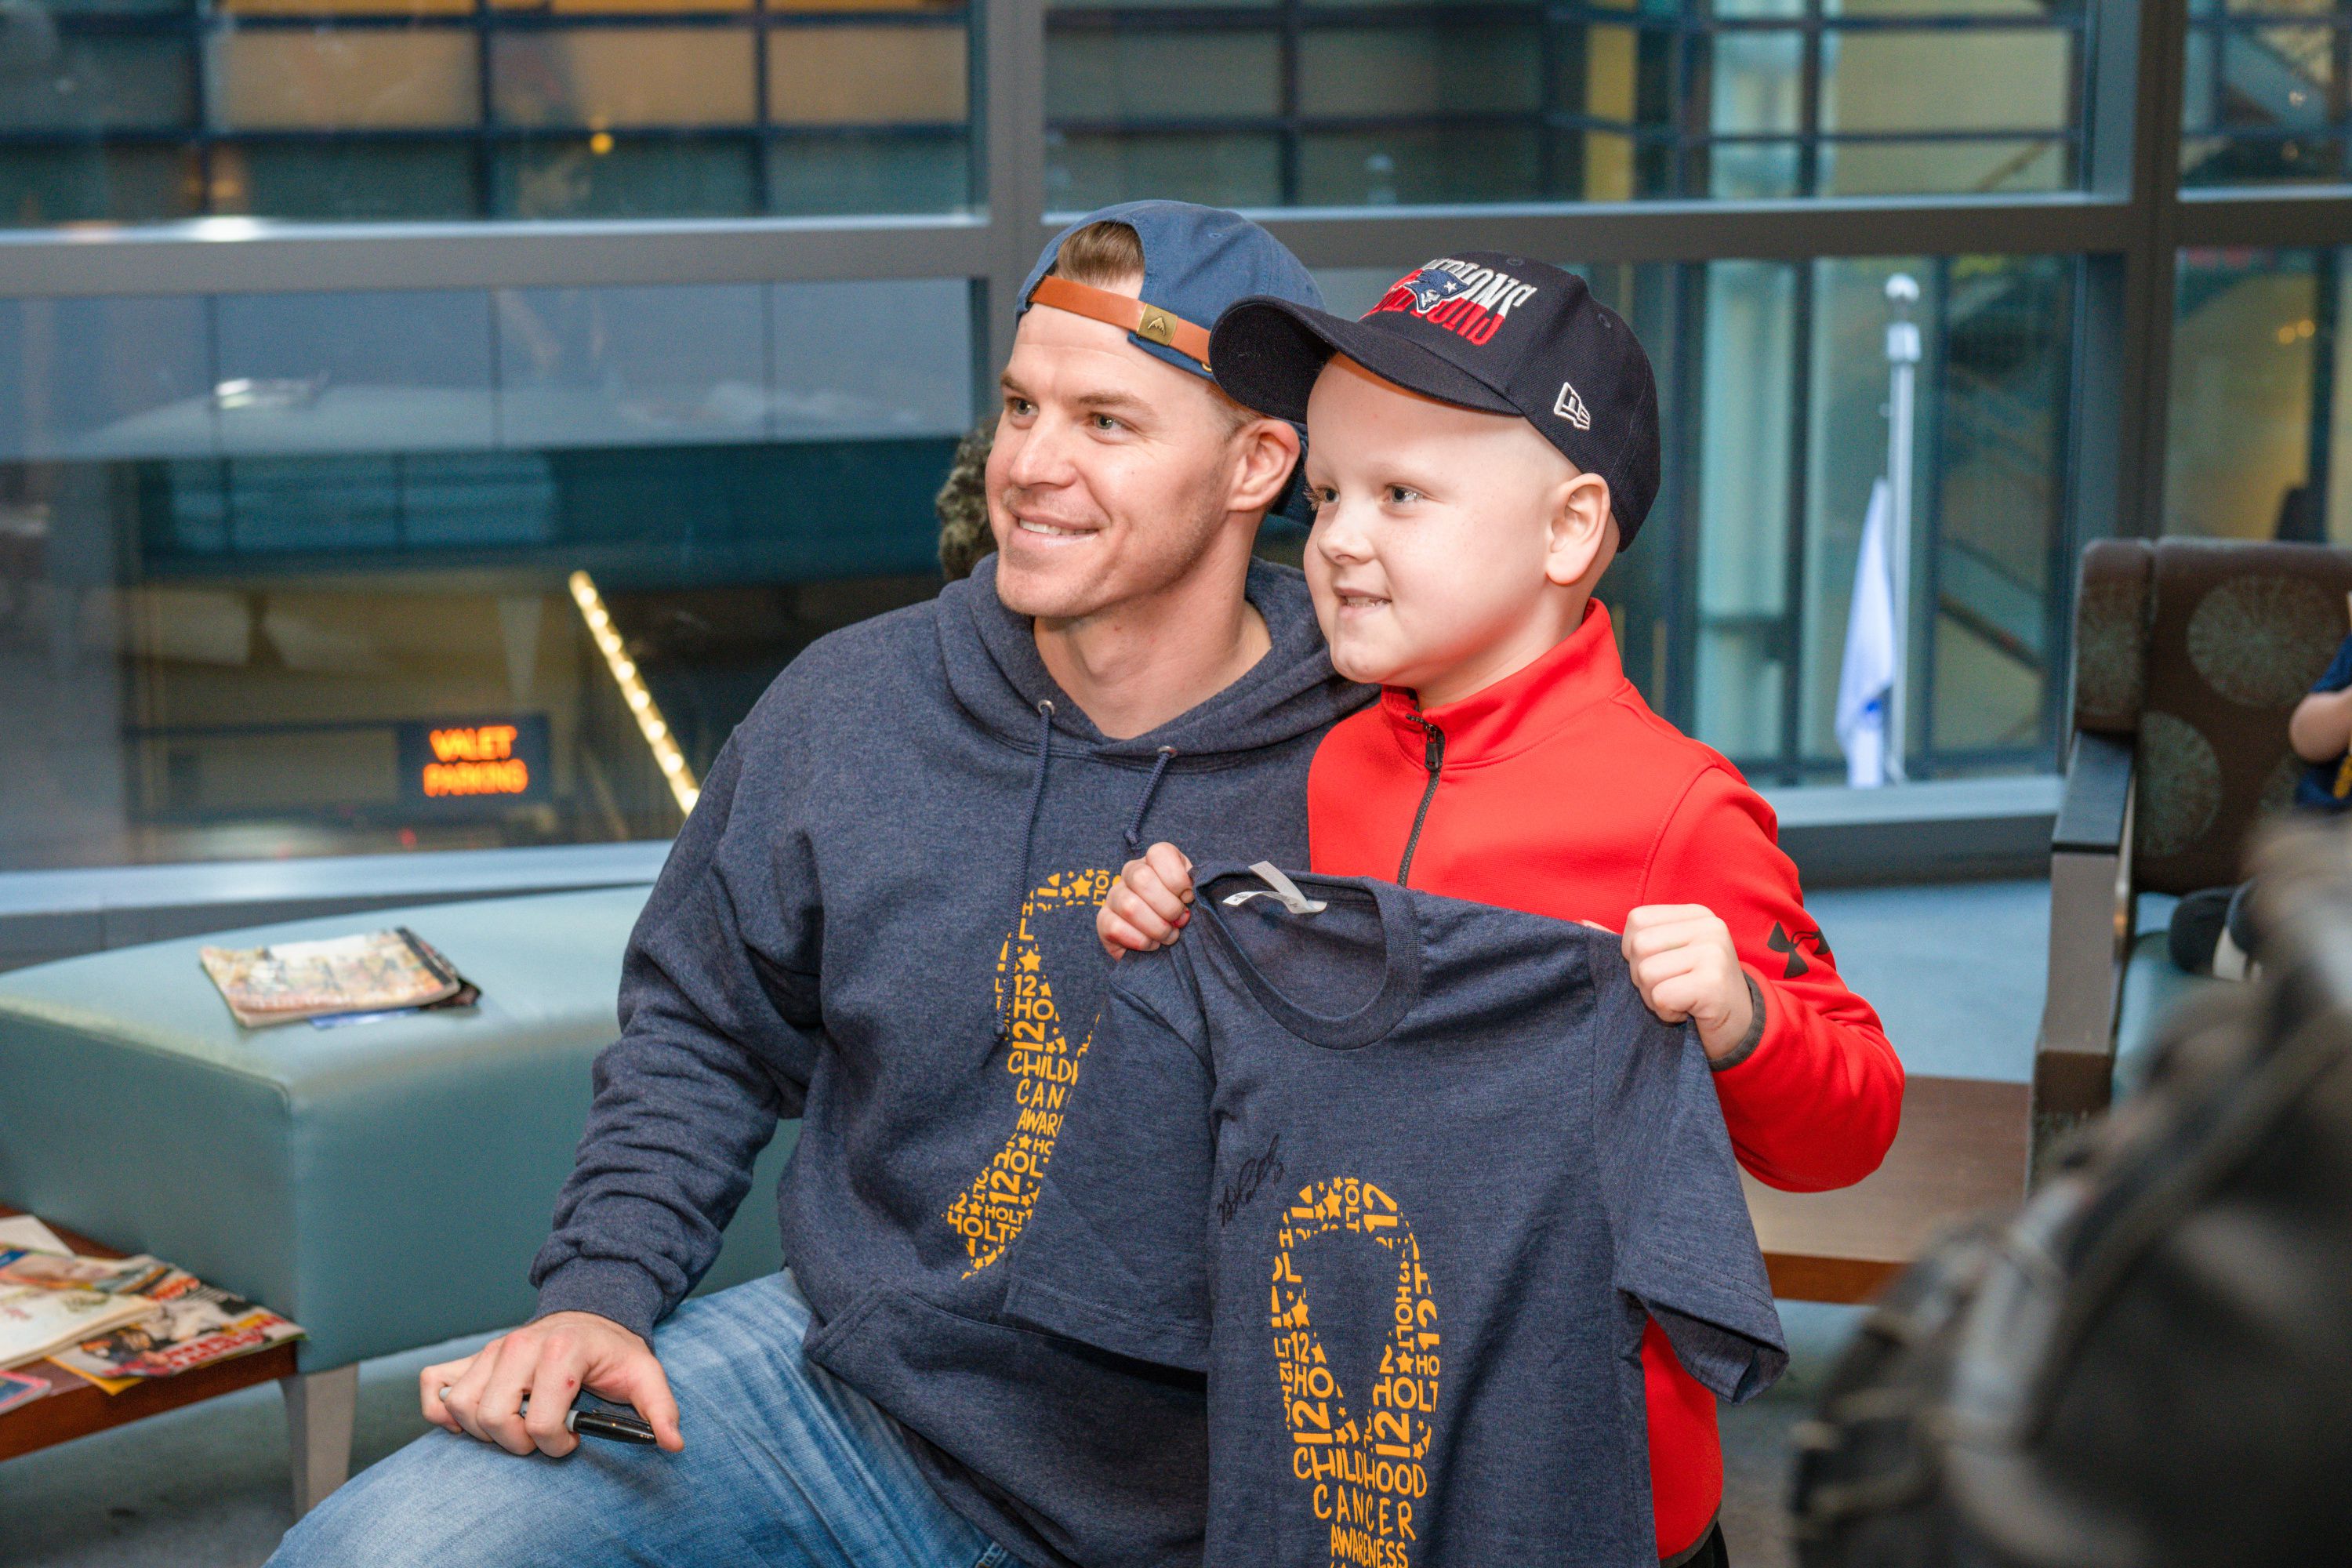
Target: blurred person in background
x=2151 y=1366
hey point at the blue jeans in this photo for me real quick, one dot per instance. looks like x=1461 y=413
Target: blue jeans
x=785 y=1466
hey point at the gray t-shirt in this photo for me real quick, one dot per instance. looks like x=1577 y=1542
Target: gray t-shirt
x=1405 y=1177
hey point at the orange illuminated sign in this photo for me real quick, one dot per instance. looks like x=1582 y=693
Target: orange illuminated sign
x=474 y=759
x=485 y=761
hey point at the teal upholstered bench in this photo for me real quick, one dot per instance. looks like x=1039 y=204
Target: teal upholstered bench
x=385 y=1184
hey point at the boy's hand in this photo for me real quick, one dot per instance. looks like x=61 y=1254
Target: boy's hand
x=1685 y=967
x=1148 y=905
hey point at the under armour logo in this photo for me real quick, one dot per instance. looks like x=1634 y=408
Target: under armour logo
x=1781 y=941
x=1570 y=408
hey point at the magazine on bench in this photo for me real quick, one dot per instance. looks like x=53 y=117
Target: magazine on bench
x=379 y=972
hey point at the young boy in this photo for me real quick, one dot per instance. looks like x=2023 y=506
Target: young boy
x=2320 y=730
x=1480 y=447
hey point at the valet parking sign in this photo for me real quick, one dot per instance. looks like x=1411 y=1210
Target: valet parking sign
x=476 y=763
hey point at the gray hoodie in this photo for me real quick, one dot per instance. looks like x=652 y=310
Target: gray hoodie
x=880 y=918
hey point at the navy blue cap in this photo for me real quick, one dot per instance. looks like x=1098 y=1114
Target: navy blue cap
x=1196 y=261
x=1481 y=330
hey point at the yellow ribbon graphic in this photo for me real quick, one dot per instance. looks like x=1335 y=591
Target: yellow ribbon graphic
x=1369 y=1478
x=988 y=1213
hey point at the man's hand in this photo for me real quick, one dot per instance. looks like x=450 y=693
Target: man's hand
x=551 y=1360
x=1685 y=967
x=1150 y=903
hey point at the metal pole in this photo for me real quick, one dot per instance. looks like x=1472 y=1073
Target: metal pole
x=1903 y=362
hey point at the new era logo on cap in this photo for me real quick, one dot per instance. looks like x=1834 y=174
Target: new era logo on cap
x=1570 y=408
x=1504 y=335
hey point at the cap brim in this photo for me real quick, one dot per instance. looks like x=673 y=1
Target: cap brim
x=1266 y=352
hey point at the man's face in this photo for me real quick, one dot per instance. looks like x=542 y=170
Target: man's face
x=1112 y=471
x=1431 y=524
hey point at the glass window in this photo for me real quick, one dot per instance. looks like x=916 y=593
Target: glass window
x=253 y=547
x=349 y=372
x=1403 y=72
x=1137 y=74
x=283 y=80
x=602 y=78
x=2264 y=100
x=614 y=176
x=2259 y=439
x=1085 y=171
x=908 y=169
x=1416 y=100
x=348 y=177
x=144 y=109
x=81 y=85
x=867 y=75
x=632 y=367
x=1926 y=82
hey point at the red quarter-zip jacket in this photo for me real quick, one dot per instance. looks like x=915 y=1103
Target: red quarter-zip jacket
x=1557 y=791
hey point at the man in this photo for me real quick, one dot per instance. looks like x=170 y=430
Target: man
x=1120 y=664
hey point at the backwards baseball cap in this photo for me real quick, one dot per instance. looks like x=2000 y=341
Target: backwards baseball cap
x=1196 y=261
x=1483 y=331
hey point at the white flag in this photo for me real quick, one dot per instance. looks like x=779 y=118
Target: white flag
x=1867 y=677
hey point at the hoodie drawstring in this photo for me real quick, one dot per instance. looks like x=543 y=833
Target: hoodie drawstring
x=1028 y=850
x=1150 y=788
x=1029 y=843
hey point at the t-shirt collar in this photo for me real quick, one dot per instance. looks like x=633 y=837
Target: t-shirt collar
x=1521 y=709
x=1400 y=978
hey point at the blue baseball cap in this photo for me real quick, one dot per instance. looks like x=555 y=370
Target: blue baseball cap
x=1196 y=261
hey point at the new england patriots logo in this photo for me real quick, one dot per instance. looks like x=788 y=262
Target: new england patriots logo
x=1429 y=289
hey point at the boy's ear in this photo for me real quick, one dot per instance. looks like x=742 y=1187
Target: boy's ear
x=1584 y=532
x=1269 y=450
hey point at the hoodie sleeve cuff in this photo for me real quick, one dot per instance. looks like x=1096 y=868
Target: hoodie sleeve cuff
x=1755 y=1035
x=611 y=1288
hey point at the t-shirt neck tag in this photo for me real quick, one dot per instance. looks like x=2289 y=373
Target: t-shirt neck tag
x=1296 y=903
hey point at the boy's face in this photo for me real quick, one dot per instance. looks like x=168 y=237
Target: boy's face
x=1436 y=545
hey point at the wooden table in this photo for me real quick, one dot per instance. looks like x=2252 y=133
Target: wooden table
x=1962 y=1151
x=76 y=1408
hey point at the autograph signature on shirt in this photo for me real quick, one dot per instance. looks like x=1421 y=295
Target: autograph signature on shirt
x=1254 y=1173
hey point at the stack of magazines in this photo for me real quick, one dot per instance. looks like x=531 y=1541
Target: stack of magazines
x=347 y=979
x=113 y=1321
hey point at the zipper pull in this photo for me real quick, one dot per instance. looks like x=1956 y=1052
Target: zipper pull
x=1432 y=746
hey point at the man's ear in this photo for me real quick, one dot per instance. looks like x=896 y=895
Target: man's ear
x=1267 y=449
x=1582 y=532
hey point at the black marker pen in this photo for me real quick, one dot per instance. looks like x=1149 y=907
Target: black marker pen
x=610 y=1425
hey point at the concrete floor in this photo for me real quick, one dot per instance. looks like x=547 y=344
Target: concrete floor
x=1956 y=972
